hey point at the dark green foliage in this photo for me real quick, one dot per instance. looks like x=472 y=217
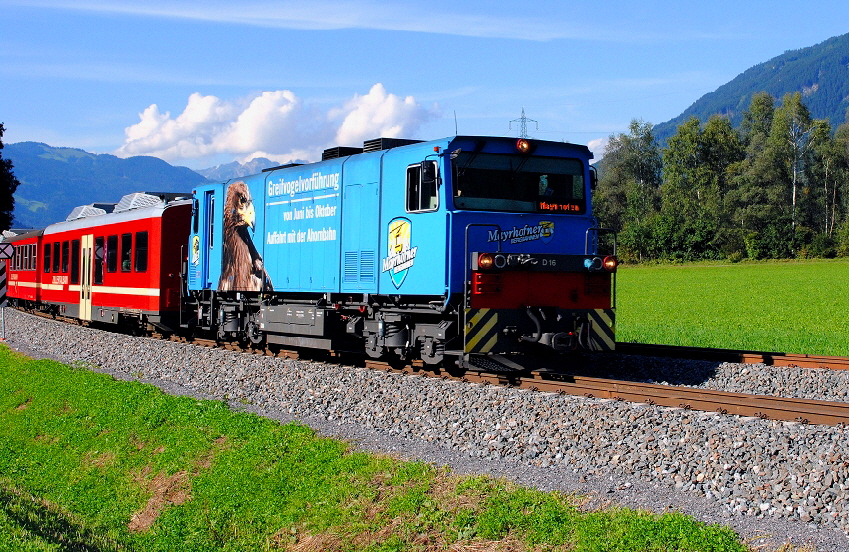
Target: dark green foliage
x=776 y=187
x=55 y=180
x=8 y=185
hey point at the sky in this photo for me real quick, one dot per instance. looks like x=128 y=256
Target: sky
x=203 y=83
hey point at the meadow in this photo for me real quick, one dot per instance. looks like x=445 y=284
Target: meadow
x=790 y=306
x=88 y=463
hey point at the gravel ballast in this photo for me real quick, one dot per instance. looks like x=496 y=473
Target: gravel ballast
x=773 y=482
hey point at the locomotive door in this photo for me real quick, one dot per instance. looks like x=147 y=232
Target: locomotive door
x=207 y=242
x=85 y=276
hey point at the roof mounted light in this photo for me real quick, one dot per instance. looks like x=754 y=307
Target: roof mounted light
x=523 y=145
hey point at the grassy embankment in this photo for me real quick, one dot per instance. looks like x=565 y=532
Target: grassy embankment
x=792 y=307
x=90 y=463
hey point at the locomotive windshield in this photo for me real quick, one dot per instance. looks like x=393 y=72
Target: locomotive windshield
x=498 y=182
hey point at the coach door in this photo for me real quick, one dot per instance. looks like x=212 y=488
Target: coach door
x=85 y=276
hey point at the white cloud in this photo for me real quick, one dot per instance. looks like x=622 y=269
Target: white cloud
x=275 y=124
x=378 y=114
x=598 y=146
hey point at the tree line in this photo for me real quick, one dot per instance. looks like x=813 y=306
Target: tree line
x=776 y=187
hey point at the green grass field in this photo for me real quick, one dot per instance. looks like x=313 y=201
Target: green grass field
x=88 y=463
x=792 y=307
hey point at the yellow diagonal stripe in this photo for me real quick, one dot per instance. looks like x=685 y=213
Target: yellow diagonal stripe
x=481 y=332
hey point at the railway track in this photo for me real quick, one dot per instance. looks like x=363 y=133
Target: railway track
x=689 y=398
x=546 y=380
x=732 y=355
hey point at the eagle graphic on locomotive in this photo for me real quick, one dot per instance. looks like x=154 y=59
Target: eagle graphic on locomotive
x=465 y=249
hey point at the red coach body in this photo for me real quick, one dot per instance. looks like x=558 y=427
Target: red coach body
x=112 y=263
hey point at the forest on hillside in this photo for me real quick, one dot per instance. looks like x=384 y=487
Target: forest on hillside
x=775 y=187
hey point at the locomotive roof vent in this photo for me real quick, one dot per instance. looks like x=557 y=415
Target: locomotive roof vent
x=339 y=151
x=378 y=144
x=137 y=200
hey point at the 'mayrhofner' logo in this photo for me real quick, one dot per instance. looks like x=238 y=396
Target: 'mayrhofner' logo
x=544 y=232
x=400 y=256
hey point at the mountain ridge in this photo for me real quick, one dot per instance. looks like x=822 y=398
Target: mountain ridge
x=820 y=72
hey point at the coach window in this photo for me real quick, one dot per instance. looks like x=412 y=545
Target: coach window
x=16 y=259
x=141 y=252
x=75 y=262
x=126 y=252
x=65 y=251
x=46 y=257
x=422 y=189
x=112 y=254
x=26 y=257
x=98 y=260
x=56 y=258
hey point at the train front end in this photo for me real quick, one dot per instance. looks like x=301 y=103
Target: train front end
x=537 y=272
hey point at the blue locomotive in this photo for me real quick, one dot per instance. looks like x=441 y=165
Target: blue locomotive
x=461 y=248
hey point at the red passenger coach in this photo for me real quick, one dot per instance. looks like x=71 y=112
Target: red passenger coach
x=23 y=271
x=116 y=263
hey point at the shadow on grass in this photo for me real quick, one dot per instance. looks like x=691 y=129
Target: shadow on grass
x=47 y=522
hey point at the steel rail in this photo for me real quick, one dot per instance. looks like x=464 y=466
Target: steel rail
x=733 y=355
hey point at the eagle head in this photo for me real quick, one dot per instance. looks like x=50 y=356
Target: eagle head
x=239 y=206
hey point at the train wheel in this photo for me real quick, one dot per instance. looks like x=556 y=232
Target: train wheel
x=254 y=333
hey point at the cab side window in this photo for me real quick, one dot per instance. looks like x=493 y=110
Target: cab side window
x=422 y=187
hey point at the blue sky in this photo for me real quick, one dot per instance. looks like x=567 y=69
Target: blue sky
x=202 y=83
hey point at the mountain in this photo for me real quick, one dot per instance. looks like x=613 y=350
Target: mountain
x=55 y=180
x=820 y=73
x=236 y=169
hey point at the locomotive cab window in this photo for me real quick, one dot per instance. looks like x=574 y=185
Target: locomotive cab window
x=500 y=182
x=126 y=252
x=422 y=187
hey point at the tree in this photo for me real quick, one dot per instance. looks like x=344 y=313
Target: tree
x=695 y=181
x=8 y=185
x=790 y=137
x=757 y=191
x=627 y=193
